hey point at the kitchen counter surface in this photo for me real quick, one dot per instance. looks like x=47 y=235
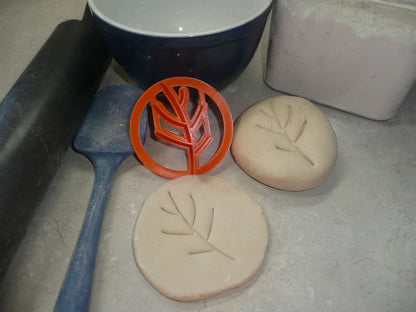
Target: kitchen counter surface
x=346 y=245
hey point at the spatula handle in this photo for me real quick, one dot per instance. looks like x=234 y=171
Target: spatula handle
x=76 y=289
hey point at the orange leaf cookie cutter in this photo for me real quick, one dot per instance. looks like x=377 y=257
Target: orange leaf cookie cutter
x=180 y=120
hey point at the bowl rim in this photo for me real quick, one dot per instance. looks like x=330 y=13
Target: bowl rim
x=96 y=11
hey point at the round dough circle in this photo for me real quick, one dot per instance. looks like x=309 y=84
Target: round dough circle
x=197 y=236
x=285 y=142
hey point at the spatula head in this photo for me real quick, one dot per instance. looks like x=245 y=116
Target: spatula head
x=106 y=127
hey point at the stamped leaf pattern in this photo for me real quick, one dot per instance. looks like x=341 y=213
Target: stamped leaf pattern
x=197 y=236
x=288 y=123
x=184 y=129
x=189 y=228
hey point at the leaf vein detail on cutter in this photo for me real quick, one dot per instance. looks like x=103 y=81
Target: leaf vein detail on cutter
x=283 y=131
x=190 y=226
x=186 y=126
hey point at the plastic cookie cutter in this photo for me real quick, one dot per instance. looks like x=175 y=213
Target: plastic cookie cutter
x=176 y=127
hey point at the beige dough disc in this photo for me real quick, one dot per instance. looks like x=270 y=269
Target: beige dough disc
x=285 y=142
x=197 y=236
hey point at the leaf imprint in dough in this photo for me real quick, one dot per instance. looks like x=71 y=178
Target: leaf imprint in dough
x=290 y=131
x=197 y=236
x=189 y=226
x=285 y=142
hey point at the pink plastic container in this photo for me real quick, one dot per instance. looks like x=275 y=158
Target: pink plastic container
x=357 y=56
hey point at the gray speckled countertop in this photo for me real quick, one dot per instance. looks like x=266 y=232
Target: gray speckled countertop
x=347 y=245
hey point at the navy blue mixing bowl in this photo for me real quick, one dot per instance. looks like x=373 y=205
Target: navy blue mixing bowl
x=212 y=40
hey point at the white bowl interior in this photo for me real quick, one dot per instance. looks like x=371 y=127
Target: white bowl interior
x=177 y=18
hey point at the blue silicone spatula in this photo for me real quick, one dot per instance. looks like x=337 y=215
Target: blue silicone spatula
x=104 y=138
